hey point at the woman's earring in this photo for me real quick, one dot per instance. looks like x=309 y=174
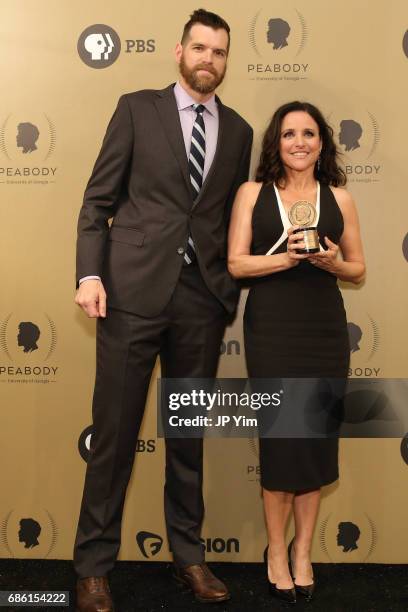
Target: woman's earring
x=318 y=163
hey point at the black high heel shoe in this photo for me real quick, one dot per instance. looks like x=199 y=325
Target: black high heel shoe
x=286 y=595
x=305 y=590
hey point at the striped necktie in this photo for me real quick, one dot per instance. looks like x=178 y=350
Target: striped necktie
x=196 y=166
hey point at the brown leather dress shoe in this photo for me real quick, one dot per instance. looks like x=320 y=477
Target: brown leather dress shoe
x=93 y=595
x=205 y=586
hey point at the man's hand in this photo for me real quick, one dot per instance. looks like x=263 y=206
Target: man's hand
x=91 y=297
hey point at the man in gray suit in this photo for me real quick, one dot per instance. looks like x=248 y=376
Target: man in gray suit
x=167 y=173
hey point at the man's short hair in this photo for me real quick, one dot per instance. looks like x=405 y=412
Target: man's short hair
x=206 y=18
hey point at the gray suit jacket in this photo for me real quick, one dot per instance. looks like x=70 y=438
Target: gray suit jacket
x=141 y=180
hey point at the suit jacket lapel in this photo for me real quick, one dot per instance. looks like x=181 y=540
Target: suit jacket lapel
x=218 y=151
x=167 y=109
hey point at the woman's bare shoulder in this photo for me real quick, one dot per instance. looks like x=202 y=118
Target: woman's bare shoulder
x=343 y=197
x=248 y=192
x=345 y=200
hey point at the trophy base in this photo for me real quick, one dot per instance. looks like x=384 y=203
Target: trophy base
x=311 y=240
x=306 y=251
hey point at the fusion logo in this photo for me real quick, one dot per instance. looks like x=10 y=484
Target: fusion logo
x=219 y=545
x=405 y=43
x=278 y=39
x=404 y=448
x=230 y=347
x=29 y=534
x=364 y=338
x=359 y=138
x=99 y=46
x=405 y=247
x=27 y=140
x=28 y=344
x=84 y=444
x=149 y=543
x=356 y=537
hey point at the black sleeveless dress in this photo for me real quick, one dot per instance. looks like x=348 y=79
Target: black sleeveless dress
x=295 y=326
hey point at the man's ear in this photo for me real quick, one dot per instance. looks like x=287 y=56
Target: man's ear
x=178 y=52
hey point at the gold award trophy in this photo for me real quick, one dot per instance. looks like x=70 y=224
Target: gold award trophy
x=303 y=213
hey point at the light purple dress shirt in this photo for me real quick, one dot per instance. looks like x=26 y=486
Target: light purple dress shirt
x=187 y=117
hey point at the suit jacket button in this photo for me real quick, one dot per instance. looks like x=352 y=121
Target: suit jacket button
x=180 y=251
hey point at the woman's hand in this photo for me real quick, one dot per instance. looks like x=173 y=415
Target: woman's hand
x=326 y=260
x=295 y=242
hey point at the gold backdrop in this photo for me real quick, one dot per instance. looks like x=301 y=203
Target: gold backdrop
x=350 y=59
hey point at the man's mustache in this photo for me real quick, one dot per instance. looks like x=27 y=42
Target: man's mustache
x=206 y=67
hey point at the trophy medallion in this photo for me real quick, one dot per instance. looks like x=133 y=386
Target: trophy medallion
x=303 y=214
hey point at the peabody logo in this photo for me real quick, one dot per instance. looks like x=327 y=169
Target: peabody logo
x=279 y=39
x=99 y=46
x=355 y=537
x=149 y=543
x=348 y=536
x=404 y=448
x=29 y=533
x=28 y=344
x=27 y=140
x=359 y=138
x=364 y=338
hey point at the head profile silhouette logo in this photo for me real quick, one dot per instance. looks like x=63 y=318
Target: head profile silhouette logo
x=149 y=543
x=99 y=46
x=347 y=536
x=350 y=134
x=405 y=43
x=278 y=32
x=355 y=335
x=27 y=136
x=29 y=532
x=28 y=335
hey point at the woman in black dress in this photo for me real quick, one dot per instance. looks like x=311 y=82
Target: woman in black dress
x=295 y=324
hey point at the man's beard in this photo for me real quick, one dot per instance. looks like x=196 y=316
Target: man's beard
x=203 y=85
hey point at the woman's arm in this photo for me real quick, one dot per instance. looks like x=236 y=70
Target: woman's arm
x=352 y=267
x=240 y=263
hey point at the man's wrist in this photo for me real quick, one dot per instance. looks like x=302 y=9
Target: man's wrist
x=85 y=278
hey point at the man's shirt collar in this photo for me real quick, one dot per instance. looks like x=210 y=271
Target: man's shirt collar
x=184 y=100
